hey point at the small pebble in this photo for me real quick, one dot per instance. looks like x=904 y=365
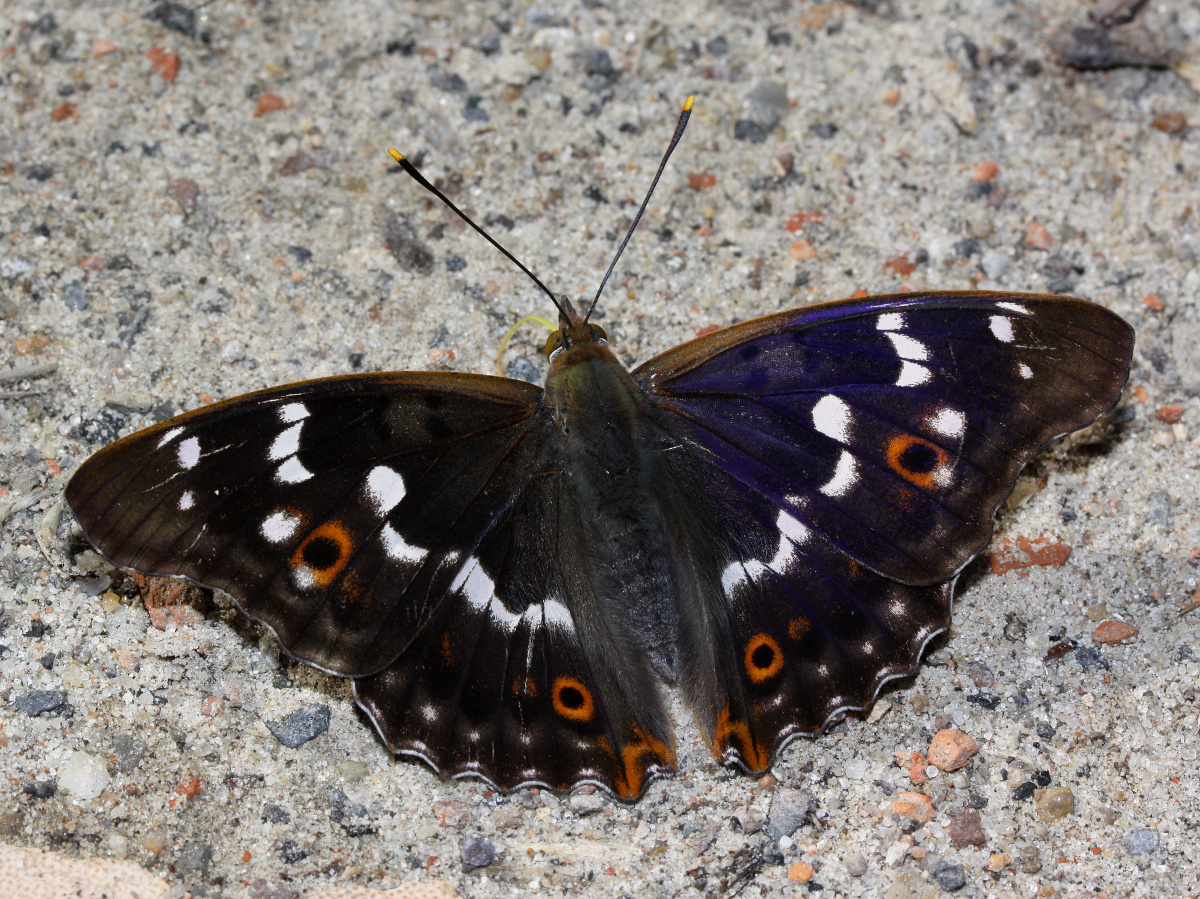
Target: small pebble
x=1114 y=631
x=1055 y=803
x=788 y=811
x=950 y=877
x=998 y=861
x=154 y=842
x=452 y=812
x=856 y=864
x=913 y=805
x=83 y=776
x=477 y=852
x=1038 y=236
x=801 y=872
x=951 y=749
x=995 y=265
x=985 y=171
x=965 y=829
x=582 y=804
x=1141 y=841
x=351 y=770
x=300 y=726
x=35 y=702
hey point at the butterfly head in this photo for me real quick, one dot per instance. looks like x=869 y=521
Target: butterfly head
x=573 y=331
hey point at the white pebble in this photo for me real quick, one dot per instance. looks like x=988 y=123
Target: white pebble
x=83 y=776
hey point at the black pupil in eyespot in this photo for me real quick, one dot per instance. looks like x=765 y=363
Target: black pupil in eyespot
x=763 y=656
x=321 y=553
x=919 y=458
x=570 y=697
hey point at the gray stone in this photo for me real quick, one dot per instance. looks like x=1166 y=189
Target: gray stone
x=35 y=702
x=994 y=265
x=193 y=857
x=1141 y=841
x=1185 y=345
x=275 y=814
x=75 y=296
x=770 y=103
x=788 y=812
x=750 y=819
x=950 y=877
x=586 y=803
x=300 y=726
x=128 y=750
x=477 y=852
x=856 y=864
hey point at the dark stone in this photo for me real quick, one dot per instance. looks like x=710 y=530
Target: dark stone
x=1089 y=659
x=75 y=297
x=771 y=854
x=401 y=241
x=46 y=24
x=967 y=247
x=489 y=44
x=778 y=38
x=337 y=805
x=520 y=368
x=477 y=852
x=39 y=172
x=47 y=661
x=749 y=130
x=472 y=112
x=455 y=264
x=978 y=189
x=950 y=877
x=598 y=62
x=128 y=750
x=40 y=789
x=1141 y=841
x=447 y=81
x=1131 y=44
x=1024 y=791
x=35 y=702
x=275 y=814
x=594 y=194
x=37 y=629
x=290 y=852
x=1044 y=730
x=300 y=254
x=193 y=857
x=1042 y=778
x=718 y=46
x=989 y=701
x=405 y=47
x=173 y=16
x=823 y=130
x=300 y=726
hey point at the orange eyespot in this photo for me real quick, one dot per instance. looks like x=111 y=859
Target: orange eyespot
x=324 y=553
x=917 y=461
x=573 y=700
x=597 y=331
x=764 y=659
x=555 y=342
x=799 y=627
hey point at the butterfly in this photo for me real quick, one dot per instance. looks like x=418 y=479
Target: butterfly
x=771 y=516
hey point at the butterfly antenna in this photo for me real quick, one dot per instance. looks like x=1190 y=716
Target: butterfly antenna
x=683 y=120
x=412 y=172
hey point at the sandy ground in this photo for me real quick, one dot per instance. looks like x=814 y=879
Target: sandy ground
x=196 y=202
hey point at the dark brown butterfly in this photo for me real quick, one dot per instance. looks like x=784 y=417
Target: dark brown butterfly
x=772 y=516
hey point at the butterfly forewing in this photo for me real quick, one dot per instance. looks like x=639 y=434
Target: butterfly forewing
x=895 y=426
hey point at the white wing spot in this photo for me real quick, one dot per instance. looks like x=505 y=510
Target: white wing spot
x=292 y=412
x=795 y=530
x=385 y=487
x=292 y=472
x=169 y=436
x=476 y=586
x=831 y=416
x=186 y=501
x=890 y=321
x=286 y=444
x=189 y=453
x=912 y=374
x=1013 y=307
x=908 y=347
x=502 y=617
x=279 y=526
x=844 y=476
x=1002 y=328
x=948 y=422
x=1025 y=370
x=398 y=548
x=558 y=615
x=429 y=712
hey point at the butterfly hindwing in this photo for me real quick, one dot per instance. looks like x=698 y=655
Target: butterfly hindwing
x=895 y=426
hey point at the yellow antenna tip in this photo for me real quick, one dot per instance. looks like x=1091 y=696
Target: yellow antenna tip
x=687 y=104
x=396 y=155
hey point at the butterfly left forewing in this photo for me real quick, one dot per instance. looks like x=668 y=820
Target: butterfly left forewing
x=895 y=426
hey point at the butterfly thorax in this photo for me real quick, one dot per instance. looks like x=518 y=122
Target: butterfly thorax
x=604 y=441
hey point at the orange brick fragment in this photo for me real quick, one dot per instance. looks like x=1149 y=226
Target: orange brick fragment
x=1045 y=551
x=1170 y=122
x=1154 y=301
x=985 y=171
x=802 y=250
x=798 y=220
x=801 y=872
x=901 y=266
x=913 y=805
x=103 y=48
x=62 y=113
x=268 y=102
x=915 y=763
x=1037 y=236
x=1141 y=394
x=165 y=63
x=1114 y=631
x=950 y=749
x=702 y=181
x=1170 y=413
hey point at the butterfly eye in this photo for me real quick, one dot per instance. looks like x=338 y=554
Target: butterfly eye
x=554 y=342
x=598 y=332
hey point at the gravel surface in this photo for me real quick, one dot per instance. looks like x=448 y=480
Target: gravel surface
x=197 y=202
